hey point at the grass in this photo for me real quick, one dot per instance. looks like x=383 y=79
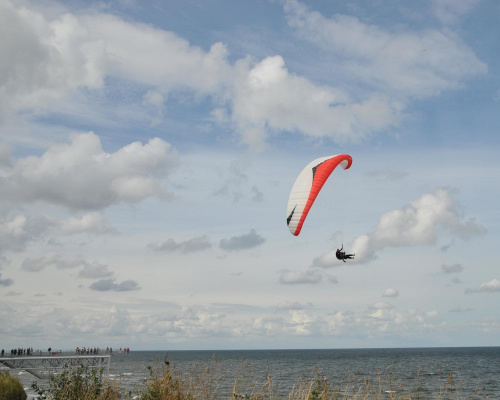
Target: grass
x=82 y=383
x=209 y=381
x=10 y=387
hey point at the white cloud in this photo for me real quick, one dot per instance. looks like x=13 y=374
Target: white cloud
x=404 y=64
x=51 y=56
x=268 y=97
x=81 y=176
x=152 y=56
x=450 y=11
x=91 y=222
x=67 y=194
x=490 y=325
x=417 y=224
x=65 y=53
x=46 y=59
x=242 y=242
x=300 y=277
x=183 y=326
x=18 y=231
x=327 y=260
x=486 y=287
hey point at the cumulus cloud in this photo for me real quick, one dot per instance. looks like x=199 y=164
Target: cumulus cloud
x=158 y=320
x=43 y=65
x=189 y=246
x=81 y=176
x=106 y=285
x=49 y=56
x=18 y=231
x=390 y=292
x=88 y=222
x=168 y=61
x=418 y=224
x=269 y=96
x=452 y=269
x=327 y=260
x=492 y=286
x=450 y=11
x=405 y=64
x=242 y=242
x=310 y=276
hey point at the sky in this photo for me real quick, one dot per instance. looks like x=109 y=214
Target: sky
x=148 y=150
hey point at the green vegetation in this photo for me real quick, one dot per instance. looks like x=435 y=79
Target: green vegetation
x=206 y=381
x=10 y=388
x=82 y=383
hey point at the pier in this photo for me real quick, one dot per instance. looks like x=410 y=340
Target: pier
x=42 y=367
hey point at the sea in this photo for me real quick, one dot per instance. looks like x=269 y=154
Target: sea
x=425 y=373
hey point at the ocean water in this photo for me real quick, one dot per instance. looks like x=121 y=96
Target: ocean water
x=475 y=372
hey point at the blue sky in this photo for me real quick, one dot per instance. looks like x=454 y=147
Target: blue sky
x=147 y=152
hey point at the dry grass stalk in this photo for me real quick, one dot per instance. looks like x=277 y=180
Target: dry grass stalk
x=208 y=381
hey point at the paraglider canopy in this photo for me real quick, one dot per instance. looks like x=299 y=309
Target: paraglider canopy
x=307 y=187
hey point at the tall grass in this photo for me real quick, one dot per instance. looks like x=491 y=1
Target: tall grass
x=209 y=381
x=82 y=383
x=10 y=388
x=206 y=382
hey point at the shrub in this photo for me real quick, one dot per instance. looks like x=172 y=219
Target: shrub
x=11 y=388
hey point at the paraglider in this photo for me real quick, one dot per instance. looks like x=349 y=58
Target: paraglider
x=307 y=187
x=341 y=255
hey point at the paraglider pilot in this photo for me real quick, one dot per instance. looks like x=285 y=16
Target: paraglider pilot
x=341 y=255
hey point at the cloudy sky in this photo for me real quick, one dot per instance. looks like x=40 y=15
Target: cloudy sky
x=148 y=149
